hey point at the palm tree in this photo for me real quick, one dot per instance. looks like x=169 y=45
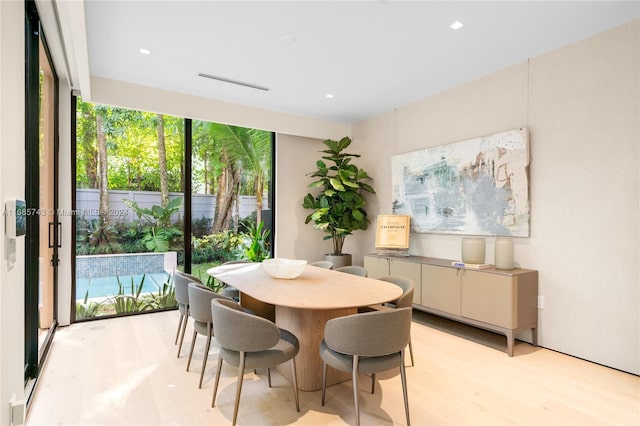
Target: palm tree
x=253 y=149
x=241 y=151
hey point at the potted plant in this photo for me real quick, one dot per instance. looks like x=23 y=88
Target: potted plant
x=338 y=209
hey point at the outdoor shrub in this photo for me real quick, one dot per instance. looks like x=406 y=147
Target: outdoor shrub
x=137 y=246
x=220 y=246
x=87 y=309
x=92 y=237
x=158 y=232
x=165 y=298
x=256 y=243
x=127 y=303
x=203 y=254
x=201 y=226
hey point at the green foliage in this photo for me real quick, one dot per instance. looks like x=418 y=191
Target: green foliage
x=86 y=146
x=201 y=226
x=225 y=241
x=248 y=149
x=205 y=254
x=130 y=237
x=93 y=237
x=127 y=303
x=256 y=243
x=157 y=232
x=213 y=284
x=220 y=247
x=166 y=297
x=131 y=146
x=338 y=209
x=87 y=309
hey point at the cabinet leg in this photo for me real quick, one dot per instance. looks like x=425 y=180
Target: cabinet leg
x=510 y=341
x=534 y=336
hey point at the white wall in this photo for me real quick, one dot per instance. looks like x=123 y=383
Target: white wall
x=295 y=157
x=12 y=181
x=580 y=104
x=65 y=177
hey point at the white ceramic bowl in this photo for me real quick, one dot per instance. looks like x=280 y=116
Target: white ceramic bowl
x=284 y=268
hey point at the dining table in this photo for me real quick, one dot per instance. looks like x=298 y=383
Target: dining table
x=302 y=305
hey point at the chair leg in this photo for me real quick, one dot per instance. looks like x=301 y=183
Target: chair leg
x=373 y=383
x=179 y=327
x=295 y=383
x=215 y=385
x=184 y=330
x=411 y=352
x=239 y=386
x=356 y=360
x=193 y=343
x=269 y=376
x=324 y=380
x=403 y=377
x=205 y=356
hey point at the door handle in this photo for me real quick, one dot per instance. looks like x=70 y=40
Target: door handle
x=54 y=237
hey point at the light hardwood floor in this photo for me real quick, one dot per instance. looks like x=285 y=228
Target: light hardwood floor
x=125 y=372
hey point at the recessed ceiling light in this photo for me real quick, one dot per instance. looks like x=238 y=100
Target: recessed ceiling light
x=145 y=51
x=287 y=39
x=329 y=95
x=456 y=25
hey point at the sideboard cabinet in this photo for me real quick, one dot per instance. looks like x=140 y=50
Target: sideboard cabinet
x=497 y=300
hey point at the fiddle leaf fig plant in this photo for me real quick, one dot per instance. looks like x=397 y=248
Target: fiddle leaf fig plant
x=338 y=207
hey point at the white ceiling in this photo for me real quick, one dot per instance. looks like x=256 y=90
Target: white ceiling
x=374 y=56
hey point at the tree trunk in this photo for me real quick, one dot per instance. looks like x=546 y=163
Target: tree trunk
x=91 y=168
x=226 y=194
x=206 y=175
x=236 y=208
x=162 y=163
x=182 y=186
x=103 y=181
x=91 y=154
x=259 y=189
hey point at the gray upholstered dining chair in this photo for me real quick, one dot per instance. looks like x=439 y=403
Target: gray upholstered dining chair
x=251 y=342
x=354 y=270
x=404 y=301
x=181 y=282
x=200 y=298
x=366 y=344
x=326 y=264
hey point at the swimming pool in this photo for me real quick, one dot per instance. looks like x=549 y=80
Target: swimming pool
x=101 y=287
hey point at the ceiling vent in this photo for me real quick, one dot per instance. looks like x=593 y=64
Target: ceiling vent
x=230 y=81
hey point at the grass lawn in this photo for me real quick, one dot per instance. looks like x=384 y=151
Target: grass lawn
x=200 y=269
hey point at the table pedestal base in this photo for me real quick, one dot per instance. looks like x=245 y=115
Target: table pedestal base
x=308 y=326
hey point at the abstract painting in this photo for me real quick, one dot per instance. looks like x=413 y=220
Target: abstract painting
x=474 y=187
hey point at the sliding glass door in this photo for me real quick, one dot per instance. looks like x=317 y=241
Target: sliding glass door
x=43 y=231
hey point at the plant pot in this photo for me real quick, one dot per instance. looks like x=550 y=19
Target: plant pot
x=338 y=260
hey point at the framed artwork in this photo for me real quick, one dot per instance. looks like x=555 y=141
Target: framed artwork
x=392 y=231
x=474 y=187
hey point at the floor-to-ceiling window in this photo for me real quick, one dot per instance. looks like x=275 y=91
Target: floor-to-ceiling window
x=156 y=193
x=231 y=176
x=129 y=209
x=43 y=229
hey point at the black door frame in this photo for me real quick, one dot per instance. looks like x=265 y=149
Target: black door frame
x=34 y=354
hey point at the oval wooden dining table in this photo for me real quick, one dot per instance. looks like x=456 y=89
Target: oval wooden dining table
x=303 y=305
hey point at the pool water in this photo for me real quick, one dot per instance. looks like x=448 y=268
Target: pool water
x=108 y=286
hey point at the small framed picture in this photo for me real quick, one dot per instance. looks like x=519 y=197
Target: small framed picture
x=392 y=231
